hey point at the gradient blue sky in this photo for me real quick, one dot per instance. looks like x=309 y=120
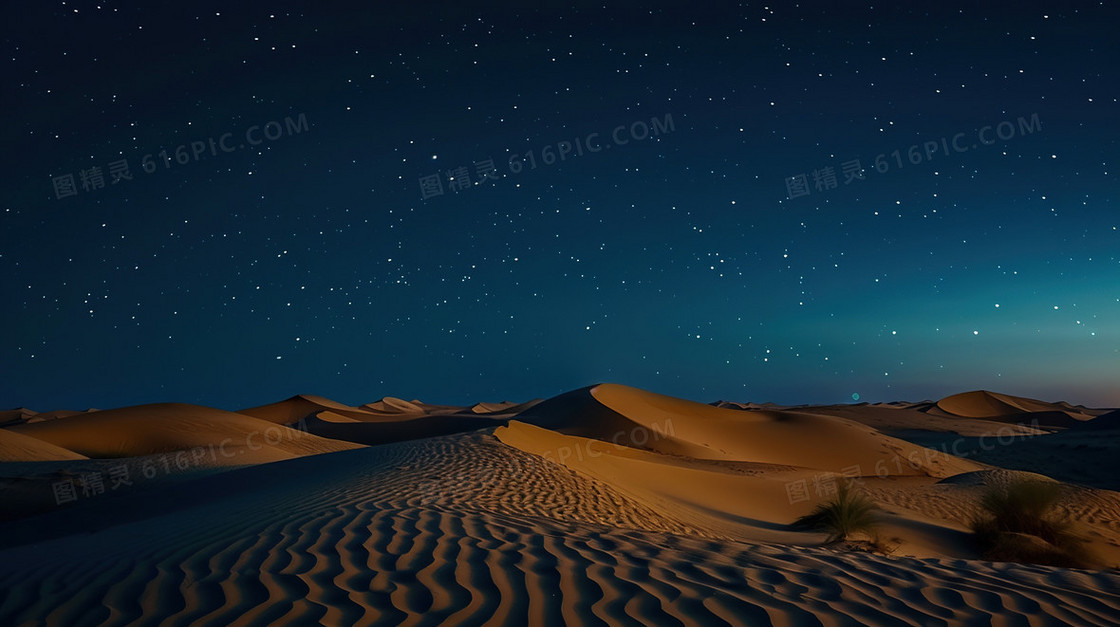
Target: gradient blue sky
x=679 y=263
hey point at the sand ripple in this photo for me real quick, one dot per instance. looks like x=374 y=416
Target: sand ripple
x=463 y=530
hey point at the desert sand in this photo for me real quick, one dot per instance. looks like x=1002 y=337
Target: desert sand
x=604 y=505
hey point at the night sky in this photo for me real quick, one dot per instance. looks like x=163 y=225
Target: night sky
x=365 y=247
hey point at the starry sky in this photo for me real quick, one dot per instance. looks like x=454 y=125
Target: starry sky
x=457 y=201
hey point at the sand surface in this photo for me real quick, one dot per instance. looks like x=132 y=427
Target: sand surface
x=606 y=505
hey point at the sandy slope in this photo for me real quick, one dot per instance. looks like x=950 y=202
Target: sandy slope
x=743 y=492
x=17 y=447
x=672 y=426
x=693 y=491
x=374 y=537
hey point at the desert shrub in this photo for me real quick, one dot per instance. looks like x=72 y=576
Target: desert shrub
x=1019 y=523
x=847 y=513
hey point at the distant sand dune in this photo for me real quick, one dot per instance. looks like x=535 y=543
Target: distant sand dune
x=1006 y=408
x=166 y=427
x=296 y=408
x=1104 y=422
x=16 y=416
x=503 y=408
x=390 y=405
x=335 y=426
x=902 y=418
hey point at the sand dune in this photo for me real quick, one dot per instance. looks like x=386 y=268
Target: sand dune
x=391 y=405
x=385 y=421
x=505 y=408
x=296 y=408
x=492 y=408
x=983 y=404
x=659 y=455
x=1103 y=422
x=60 y=413
x=340 y=427
x=17 y=447
x=673 y=426
x=904 y=418
x=695 y=492
x=746 y=406
x=1005 y=408
x=970 y=414
x=20 y=415
x=169 y=427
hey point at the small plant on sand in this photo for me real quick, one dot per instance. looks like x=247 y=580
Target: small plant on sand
x=847 y=513
x=1018 y=523
x=879 y=544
